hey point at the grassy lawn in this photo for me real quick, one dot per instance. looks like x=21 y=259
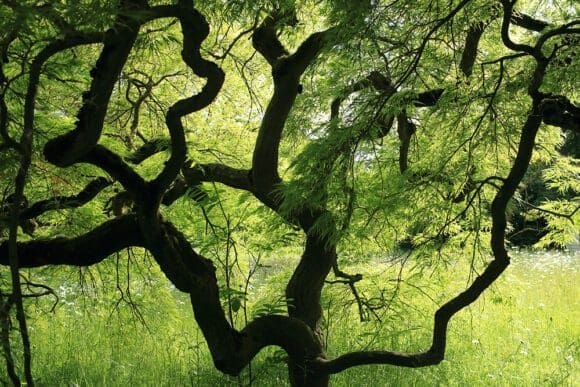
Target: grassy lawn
x=524 y=332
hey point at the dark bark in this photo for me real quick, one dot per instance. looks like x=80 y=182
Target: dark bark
x=114 y=165
x=148 y=149
x=84 y=250
x=231 y=350
x=195 y=30
x=305 y=286
x=559 y=111
x=303 y=290
x=61 y=202
x=5 y=326
x=470 y=48
x=265 y=41
x=505 y=36
x=299 y=334
x=405 y=130
x=428 y=98
x=286 y=73
x=25 y=150
x=232 y=177
x=117 y=44
x=528 y=22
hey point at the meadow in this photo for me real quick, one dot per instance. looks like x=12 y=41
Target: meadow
x=523 y=332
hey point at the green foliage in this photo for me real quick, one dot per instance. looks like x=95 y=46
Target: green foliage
x=435 y=214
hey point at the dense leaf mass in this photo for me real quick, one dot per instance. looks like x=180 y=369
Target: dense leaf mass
x=203 y=131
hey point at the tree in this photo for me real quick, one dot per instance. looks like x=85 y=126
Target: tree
x=469 y=87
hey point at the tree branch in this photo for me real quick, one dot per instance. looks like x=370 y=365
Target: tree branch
x=60 y=202
x=195 y=29
x=505 y=35
x=427 y=38
x=9 y=142
x=405 y=129
x=65 y=150
x=85 y=250
x=436 y=352
x=286 y=74
x=470 y=50
x=218 y=173
x=522 y=20
x=265 y=41
x=559 y=111
x=428 y=98
x=114 y=165
x=148 y=149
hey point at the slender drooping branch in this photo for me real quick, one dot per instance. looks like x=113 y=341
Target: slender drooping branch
x=419 y=52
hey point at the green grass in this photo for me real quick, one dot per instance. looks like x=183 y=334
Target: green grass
x=524 y=332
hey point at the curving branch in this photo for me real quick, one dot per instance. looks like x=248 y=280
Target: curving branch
x=148 y=149
x=25 y=150
x=118 y=41
x=114 y=165
x=291 y=334
x=286 y=73
x=265 y=41
x=231 y=350
x=218 y=173
x=570 y=28
x=508 y=11
x=73 y=40
x=144 y=91
x=60 y=202
x=436 y=352
x=85 y=250
x=475 y=31
x=195 y=29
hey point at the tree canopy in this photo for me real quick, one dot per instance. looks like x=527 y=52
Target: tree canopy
x=339 y=128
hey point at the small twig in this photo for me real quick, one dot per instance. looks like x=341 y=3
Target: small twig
x=559 y=214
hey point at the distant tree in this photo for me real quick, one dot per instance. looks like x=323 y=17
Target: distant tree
x=368 y=123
